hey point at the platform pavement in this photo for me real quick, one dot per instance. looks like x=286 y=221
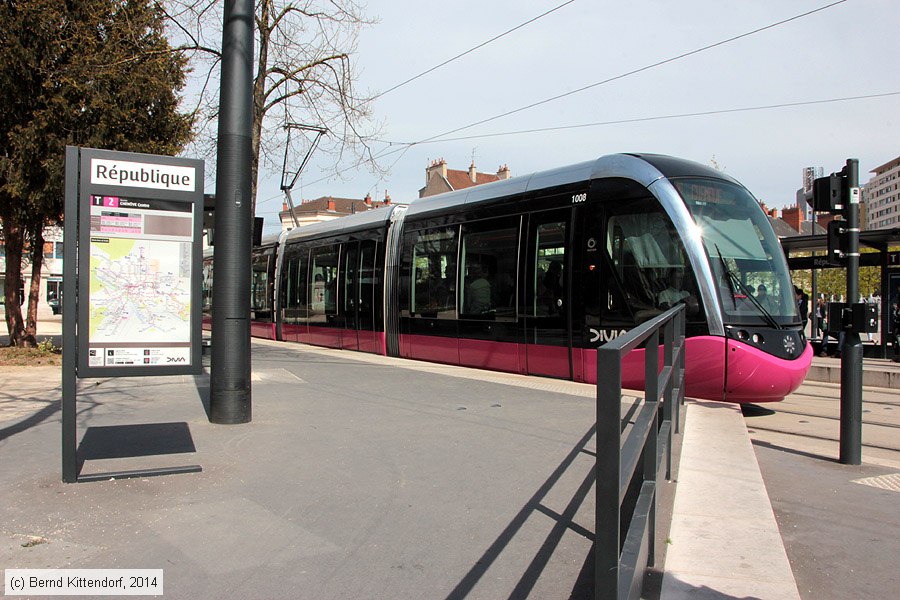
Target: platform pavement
x=402 y=480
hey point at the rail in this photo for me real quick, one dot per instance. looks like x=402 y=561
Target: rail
x=644 y=440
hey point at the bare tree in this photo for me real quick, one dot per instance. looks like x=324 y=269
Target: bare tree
x=304 y=74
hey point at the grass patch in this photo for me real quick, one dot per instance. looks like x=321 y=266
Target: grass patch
x=44 y=354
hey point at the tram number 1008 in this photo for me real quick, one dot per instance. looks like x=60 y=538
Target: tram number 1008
x=579 y=198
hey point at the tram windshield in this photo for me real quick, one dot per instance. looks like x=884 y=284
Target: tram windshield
x=747 y=260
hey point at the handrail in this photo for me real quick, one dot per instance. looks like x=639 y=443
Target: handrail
x=620 y=565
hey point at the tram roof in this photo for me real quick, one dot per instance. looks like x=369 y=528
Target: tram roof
x=362 y=221
x=642 y=168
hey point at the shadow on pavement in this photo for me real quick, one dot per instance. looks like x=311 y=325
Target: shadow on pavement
x=564 y=521
x=772 y=446
x=128 y=441
x=32 y=421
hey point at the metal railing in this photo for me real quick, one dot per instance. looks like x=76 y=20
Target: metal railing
x=645 y=441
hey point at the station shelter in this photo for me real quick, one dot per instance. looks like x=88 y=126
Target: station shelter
x=809 y=252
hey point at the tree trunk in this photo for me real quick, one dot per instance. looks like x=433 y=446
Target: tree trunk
x=14 y=240
x=37 y=260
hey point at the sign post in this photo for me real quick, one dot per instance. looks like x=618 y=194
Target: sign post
x=852 y=355
x=131 y=272
x=839 y=194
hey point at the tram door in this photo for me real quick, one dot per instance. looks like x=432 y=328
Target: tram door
x=547 y=297
x=358 y=295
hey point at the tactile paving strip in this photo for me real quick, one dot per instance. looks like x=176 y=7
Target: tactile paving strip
x=890 y=481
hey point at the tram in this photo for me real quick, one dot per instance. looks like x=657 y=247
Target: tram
x=530 y=275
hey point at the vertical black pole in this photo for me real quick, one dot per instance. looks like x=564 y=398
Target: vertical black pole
x=851 y=355
x=69 y=316
x=814 y=296
x=607 y=470
x=230 y=367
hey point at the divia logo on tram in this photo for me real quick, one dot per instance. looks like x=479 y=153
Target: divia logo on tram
x=602 y=336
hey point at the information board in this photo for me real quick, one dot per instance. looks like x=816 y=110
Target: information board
x=139 y=259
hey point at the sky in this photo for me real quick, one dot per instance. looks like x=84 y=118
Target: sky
x=850 y=49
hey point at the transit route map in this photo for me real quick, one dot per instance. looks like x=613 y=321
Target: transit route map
x=140 y=290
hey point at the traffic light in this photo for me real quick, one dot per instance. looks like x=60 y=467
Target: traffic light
x=838 y=241
x=836 y=194
x=828 y=194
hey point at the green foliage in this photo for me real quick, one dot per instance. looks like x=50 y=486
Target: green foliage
x=833 y=281
x=94 y=73
x=46 y=347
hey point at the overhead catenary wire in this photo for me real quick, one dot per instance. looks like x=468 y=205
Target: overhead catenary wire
x=705 y=113
x=635 y=71
x=472 y=49
x=395 y=146
x=403 y=147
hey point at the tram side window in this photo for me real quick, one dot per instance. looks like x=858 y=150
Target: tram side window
x=368 y=278
x=433 y=280
x=549 y=277
x=349 y=284
x=259 y=284
x=323 y=284
x=488 y=262
x=648 y=257
x=294 y=286
x=206 y=285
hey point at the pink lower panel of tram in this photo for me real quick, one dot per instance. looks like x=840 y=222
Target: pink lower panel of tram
x=483 y=354
x=755 y=376
x=262 y=329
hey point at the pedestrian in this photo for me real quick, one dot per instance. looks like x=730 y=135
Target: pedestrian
x=802 y=305
x=820 y=316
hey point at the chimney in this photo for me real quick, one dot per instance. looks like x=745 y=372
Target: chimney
x=436 y=166
x=792 y=216
x=387 y=198
x=331 y=205
x=503 y=172
x=284 y=205
x=773 y=213
x=472 y=174
x=823 y=219
x=368 y=200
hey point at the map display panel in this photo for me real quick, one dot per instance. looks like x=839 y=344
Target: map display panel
x=140 y=282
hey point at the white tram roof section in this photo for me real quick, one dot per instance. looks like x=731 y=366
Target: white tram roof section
x=642 y=168
x=362 y=221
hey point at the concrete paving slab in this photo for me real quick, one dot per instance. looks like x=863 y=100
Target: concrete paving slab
x=384 y=483
x=716 y=552
x=403 y=479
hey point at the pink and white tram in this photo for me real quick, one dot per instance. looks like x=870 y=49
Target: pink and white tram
x=530 y=275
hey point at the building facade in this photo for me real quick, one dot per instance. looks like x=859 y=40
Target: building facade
x=881 y=197
x=51 y=271
x=325 y=209
x=440 y=179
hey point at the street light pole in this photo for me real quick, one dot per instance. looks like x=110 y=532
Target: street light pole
x=229 y=398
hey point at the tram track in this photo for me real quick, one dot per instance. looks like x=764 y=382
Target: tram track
x=814 y=397
x=812 y=436
x=812 y=414
x=837 y=418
